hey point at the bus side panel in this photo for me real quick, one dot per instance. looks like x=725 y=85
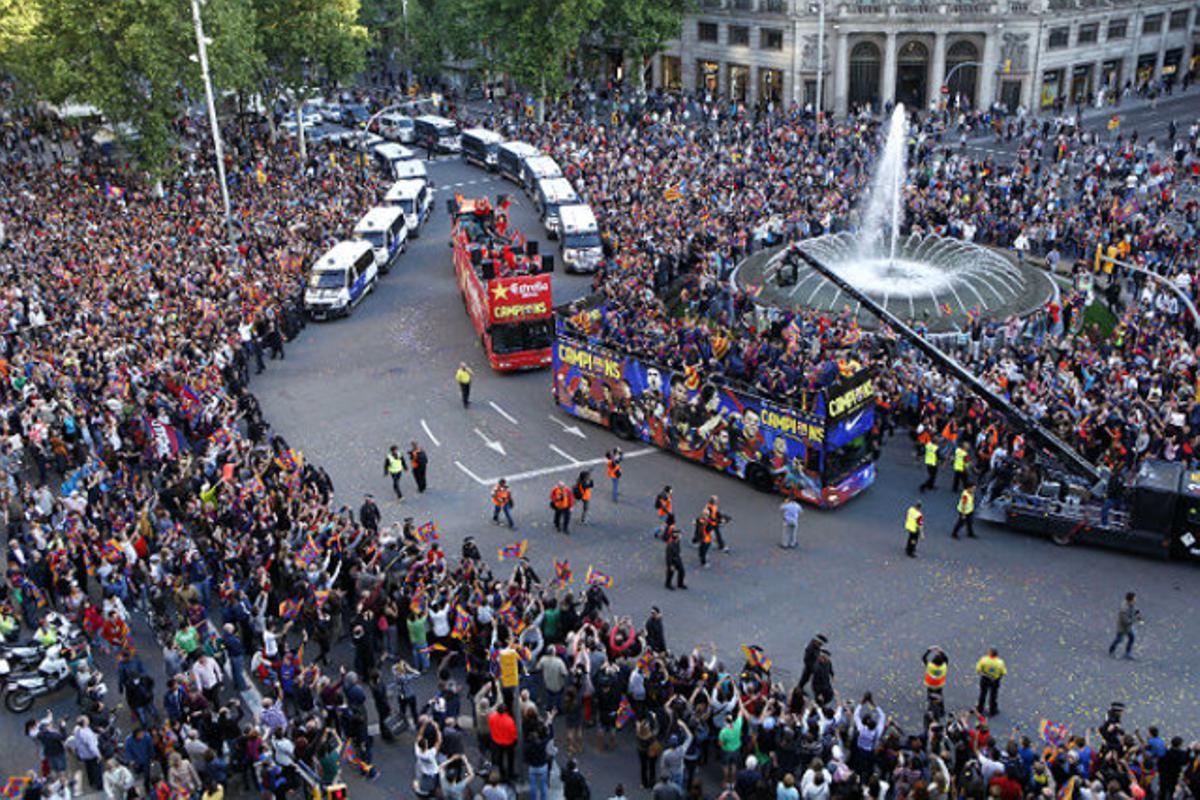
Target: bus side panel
x=736 y=433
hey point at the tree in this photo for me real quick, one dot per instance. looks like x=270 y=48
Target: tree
x=642 y=28
x=128 y=60
x=533 y=39
x=306 y=41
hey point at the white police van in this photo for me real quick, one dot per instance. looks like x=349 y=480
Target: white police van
x=389 y=154
x=549 y=195
x=384 y=228
x=340 y=279
x=411 y=170
x=480 y=147
x=415 y=199
x=510 y=158
x=579 y=238
x=538 y=168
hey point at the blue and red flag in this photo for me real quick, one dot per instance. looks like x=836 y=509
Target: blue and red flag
x=595 y=577
x=516 y=550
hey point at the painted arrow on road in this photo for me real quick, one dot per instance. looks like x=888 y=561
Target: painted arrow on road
x=571 y=429
x=492 y=443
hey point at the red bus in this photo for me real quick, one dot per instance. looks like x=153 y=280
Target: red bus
x=505 y=285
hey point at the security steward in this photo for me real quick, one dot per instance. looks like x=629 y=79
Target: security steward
x=675 y=569
x=561 y=501
x=663 y=504
x=991 y=671
x=914 y=527
x=502 y=501
x=703 y=535
x=393 y=467
x=463 y=376
x=931 y=465
x=583 y=493
x=966 y=512
x=418 y=461
x=960 y=467
x=713 y=519
x=937 y=664
x=613 y=469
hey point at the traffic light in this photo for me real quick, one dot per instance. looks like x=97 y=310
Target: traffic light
x=336 y=791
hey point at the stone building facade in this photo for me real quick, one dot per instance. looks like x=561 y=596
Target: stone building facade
x=1031 y=53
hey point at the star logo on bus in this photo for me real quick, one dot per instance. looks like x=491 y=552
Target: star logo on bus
x=500 y=292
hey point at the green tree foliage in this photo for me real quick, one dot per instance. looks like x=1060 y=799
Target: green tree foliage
x=642 y=27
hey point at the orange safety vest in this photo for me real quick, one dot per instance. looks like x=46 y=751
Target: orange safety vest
x=500 y=496
x=935 y=675
x=585 y=493
x=614 y=468
x=561 y=498
x=663 y=504
x=712 y=514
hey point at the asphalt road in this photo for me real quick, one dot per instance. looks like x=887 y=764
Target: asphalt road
x=350 y=388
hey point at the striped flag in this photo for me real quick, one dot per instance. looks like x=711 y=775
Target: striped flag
x=625 y=713
x=516 y=550
x=756 y=658
x=946 y=309
x=562 y=573
x=597 y=578
x=1054 y=733
x=427 y=533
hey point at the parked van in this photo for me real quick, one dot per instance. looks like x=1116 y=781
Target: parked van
x=549 y=195
x=385 y=229
x=388 y=154
x=510 y=157
x=340 y=279
x=397 y=126
x=437 y=133
x=579 y=238
x=414 y=198
x=410 y=170
x=479 y=147
x=538 y=168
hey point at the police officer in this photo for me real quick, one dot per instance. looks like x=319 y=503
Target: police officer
x=418 y=461
x=674 y=558
x=966 y=512
x=991 y=671
x=914 y=527
x=368 y=514
x=463 y=377
x=960 y=466
x=931 y=465
x=393 y=467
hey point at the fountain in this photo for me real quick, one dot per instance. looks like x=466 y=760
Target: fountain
x=936 y=280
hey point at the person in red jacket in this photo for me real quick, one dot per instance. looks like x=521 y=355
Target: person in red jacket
x=503 y=730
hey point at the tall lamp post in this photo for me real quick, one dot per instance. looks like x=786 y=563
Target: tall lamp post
x=820 y=61
x=218 y=149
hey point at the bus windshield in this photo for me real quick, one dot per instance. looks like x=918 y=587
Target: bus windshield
x=841 y=462
x=514 y=337
x=581 y=240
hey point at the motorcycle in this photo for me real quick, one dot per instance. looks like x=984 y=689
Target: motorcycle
x=52 y=674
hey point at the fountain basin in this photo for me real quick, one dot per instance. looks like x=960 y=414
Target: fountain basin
x=934 y=280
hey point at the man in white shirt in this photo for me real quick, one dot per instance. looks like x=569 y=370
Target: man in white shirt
x=791 y=511
x=207 y=673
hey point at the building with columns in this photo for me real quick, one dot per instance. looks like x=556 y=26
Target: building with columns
x=1030 y=53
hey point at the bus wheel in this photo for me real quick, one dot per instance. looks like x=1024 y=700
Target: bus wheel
x=1061 y=538
x=621 y=426
x=758 y=477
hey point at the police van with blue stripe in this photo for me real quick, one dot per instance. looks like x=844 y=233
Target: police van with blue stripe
x=340 y=279
x=384 y=228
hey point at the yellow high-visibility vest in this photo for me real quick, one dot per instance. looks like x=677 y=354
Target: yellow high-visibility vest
x=930 y=454
x=966 y=502
x=912 y=522
x=960 y=459
x=395 y=464
x=462 y=376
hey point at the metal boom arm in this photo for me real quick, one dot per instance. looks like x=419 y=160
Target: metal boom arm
x=1037 y=432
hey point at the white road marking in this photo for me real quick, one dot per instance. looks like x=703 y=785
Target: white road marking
x=502 y=412
x=492 y=443
x=537 y=473
x=472 y=475
x=429 y=433
x=565 y=454
x=571 y=429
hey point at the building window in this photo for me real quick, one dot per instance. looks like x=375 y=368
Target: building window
x=739 y=35
x=743 y=5
x=1088 y=34
x=739 y=82
x=1117 y=28
x=771 y=39
x=707 y=31
x=1059 y=38
x=708 y=75
x=770 y=85
x=1179 y=19
x=1052 y=81
x=672 y=73
x=772 y=7
x=1152 y=24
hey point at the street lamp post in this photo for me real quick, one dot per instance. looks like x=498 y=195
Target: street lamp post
x=956 y=68
x=820 y=61
x=218 y=150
